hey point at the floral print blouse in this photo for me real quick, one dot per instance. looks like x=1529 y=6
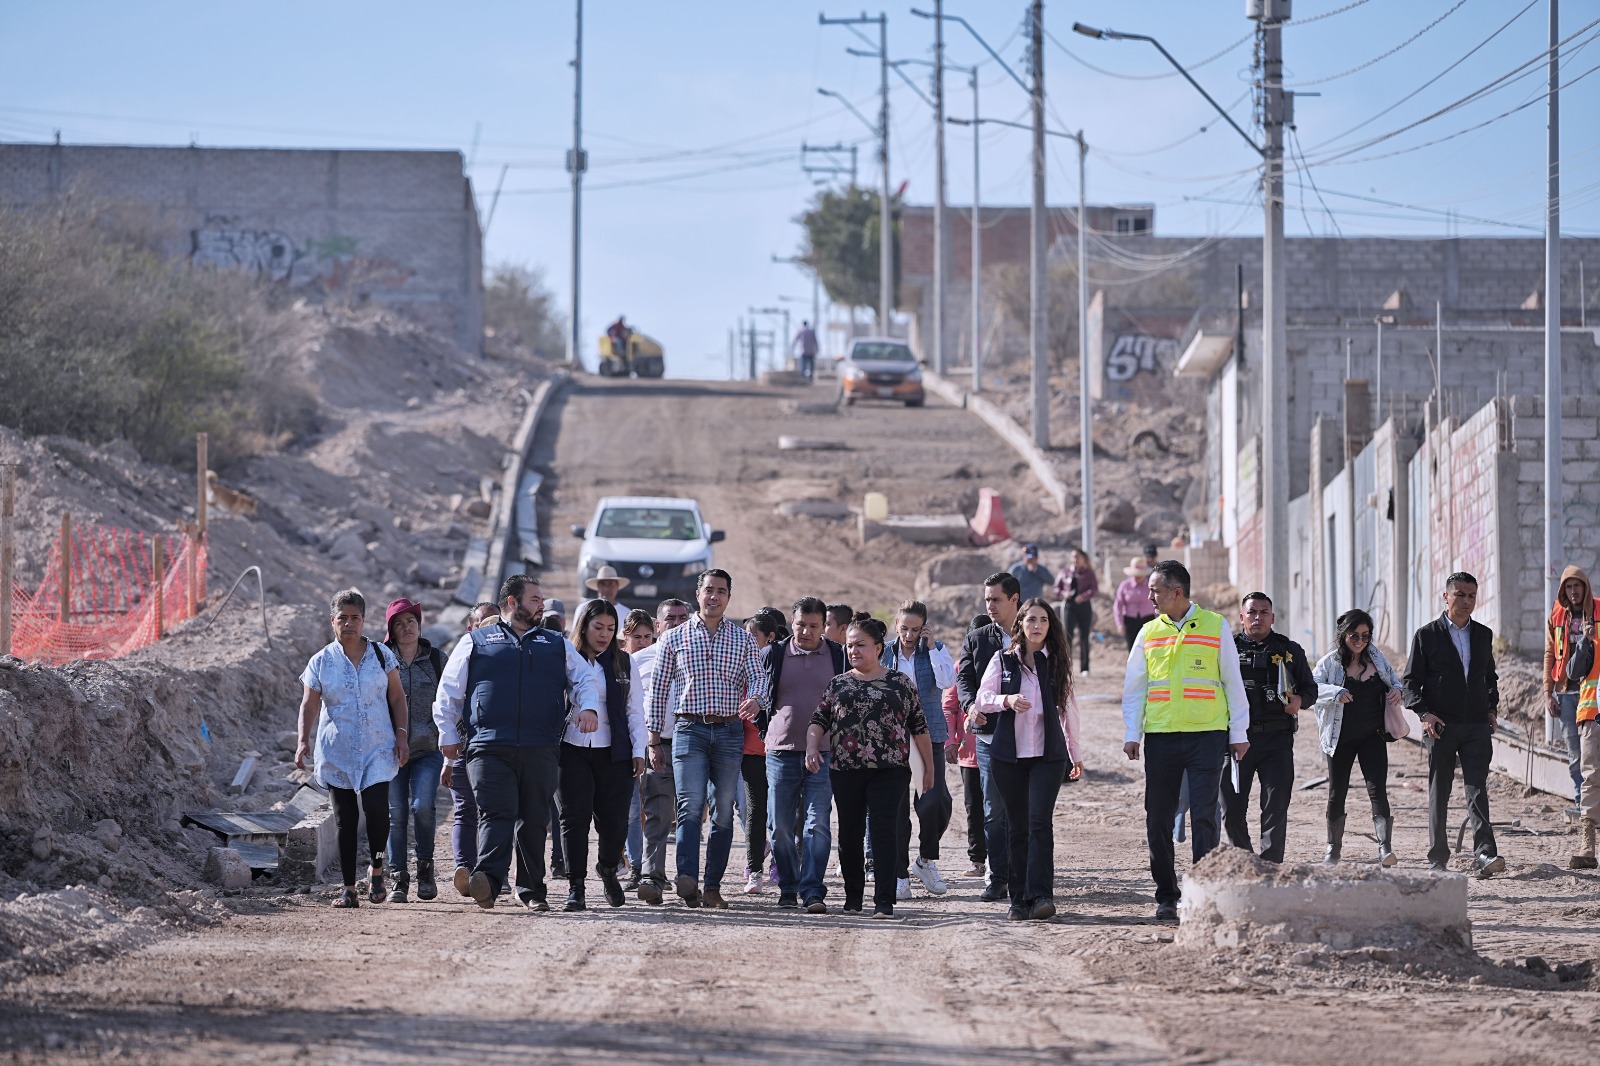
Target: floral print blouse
x=871 y=723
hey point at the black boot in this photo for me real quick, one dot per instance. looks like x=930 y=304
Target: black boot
x=1335 y=840
x=613 y=887
x=427 y=888
x=1383 y=829
x=575 y=901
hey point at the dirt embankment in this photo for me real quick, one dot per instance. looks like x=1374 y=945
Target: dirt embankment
x=99 y=759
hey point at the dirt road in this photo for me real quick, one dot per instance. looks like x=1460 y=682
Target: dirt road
x=950 y=982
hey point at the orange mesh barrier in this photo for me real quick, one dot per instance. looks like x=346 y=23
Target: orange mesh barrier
x=112 y=595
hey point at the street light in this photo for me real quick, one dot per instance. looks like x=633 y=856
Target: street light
x=1276 y=105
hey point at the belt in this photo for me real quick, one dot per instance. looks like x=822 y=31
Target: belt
x=709 y=719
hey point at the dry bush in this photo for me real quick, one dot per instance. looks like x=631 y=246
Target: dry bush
x=521 y=319
x=103 y=338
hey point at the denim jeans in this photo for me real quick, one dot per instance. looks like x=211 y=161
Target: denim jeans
x=1170 y=761
x=705 y=755
x=995 y=831
x=464 y=824
x=416 y=786
x=658 y=799
x=1568 y=701
x=636 y=827
x=791 y=788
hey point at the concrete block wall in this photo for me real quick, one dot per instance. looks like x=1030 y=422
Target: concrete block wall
x=396 y=228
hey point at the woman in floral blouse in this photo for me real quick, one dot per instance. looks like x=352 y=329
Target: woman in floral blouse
x=871 y=716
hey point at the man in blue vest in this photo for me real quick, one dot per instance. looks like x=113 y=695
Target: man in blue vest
x=503 y=697
x=1185 y=701
x=929 y=666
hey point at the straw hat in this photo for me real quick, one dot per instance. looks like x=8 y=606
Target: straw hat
x=1137 y=567
x=607 y=573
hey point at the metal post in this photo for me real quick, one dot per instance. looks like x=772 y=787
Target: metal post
x=1274 y=363
x=977 y=247
x=202 y=487
x=1377 y=374
x=1438 y=356
x=1554 y=548
x=753 y=374
x=577 y=163
x=1039 y=319
x=1085 y=418
x=732 y=367
x=8 y=510
x=158 y=568
x=885 y=227
x=941 y=247
x=65 y=582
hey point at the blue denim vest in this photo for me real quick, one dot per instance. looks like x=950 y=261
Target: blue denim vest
x=927 y=689
x=516 y=689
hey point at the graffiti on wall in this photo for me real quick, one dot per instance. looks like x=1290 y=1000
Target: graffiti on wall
x=263 y=253
x=1135 y=353
x=334 y=265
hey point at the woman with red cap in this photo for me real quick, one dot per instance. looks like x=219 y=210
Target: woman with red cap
x=415 y=788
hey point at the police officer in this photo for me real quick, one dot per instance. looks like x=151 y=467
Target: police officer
x=1278 y=682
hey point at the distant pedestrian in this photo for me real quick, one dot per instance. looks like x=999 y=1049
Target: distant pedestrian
x=1033 y=579
x=658 y=796
x=504 y=699
x=1354 y=685
x=1131 y=607
x=913 y=651
x=724 y=685
x=1278 y=684
x=1027 y=689
x=1002 y=602
x=351 y=697
x=1452 y=686
x=414 y=790
x=1573 y=612
x=962 y=750
x=799 y=670
x=1185 y=709
x=605 y=584
x=1078 y=586
x=638 y=633
x=839 y=617
x=872 y=717
x=805 y=343
x=555 y=616
x=464 y=814
x=602 y=753
x=753 y=771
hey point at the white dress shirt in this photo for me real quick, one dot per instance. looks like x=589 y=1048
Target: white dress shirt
x=448 y=704
x=1137 y=678
x=944 y=667
x=601 y=738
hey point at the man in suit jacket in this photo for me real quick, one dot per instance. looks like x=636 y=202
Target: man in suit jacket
x=1451 y=684
x=1002 y=599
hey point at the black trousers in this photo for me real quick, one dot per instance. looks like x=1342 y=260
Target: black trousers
x=1471 y=745
x=1078 y=618
x=1028 y=788
x=754 y=770
x=1271 y=757
x=1169 y=758
x=855 y=793
x=514 y=788
x=1131 y=627
x=1372 y=751
x=347 y=808
x=972 y=799
x=592 y=787
x=933 y=809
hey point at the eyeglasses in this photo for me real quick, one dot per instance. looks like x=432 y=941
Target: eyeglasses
x=1360 y=638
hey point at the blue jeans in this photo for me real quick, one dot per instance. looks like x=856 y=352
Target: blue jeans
x=464 y=827
x=635 y=829
x=996 y=832
x=1568 y=701
x=808 y=365
x=790 y=789
x=416 y=786
x=705 y=755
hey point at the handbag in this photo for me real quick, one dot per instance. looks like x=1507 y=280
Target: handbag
x=1395 y=722
x=1581 y=661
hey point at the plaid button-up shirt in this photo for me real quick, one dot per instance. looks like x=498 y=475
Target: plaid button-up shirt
x=715 y=672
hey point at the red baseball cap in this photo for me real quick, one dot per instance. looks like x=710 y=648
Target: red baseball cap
x=399 y=607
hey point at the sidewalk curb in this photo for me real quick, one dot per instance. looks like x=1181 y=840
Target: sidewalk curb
x=1008 y=431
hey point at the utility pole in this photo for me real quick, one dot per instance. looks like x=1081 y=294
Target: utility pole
x=1085 y=419
x=1272 y=14
x=1039 y=319
x=885 y=227
x=940 y=243
x=577 y=163
x=977 y=247
x=1554 y=546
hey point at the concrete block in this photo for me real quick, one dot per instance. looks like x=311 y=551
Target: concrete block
x=1579 y=428
x=1580 y=471
x=1527 y=472
x=226 y=868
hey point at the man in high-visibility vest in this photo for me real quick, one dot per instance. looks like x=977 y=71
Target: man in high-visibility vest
x=1184 y=699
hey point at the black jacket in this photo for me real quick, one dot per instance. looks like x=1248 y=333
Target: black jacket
x=977 y=649
x=1260 y=675
x=772 y=657
x=1433 y=680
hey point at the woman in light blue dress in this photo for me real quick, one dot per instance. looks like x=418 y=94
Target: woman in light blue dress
x=360 y=735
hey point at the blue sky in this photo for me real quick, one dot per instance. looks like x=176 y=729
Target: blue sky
x=695 y=112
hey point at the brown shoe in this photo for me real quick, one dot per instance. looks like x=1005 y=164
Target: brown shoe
x=714 y=900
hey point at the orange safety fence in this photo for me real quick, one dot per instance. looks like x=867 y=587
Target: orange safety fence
x=112 y=597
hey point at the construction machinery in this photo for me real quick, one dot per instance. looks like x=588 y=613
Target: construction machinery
x=642 y=356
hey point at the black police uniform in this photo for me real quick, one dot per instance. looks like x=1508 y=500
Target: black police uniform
x=1272 y=731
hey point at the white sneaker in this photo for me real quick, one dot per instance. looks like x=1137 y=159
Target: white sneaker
x=928 y=874
x=902 y=888
x=752 y=884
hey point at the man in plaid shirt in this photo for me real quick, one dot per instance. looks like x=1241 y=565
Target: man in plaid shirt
x=721 y=682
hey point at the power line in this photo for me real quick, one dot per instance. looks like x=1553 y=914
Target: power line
x=1148 y=77
x=1305 y=168
x=1325 y=15
x=1241 y=98
x=1385 y=55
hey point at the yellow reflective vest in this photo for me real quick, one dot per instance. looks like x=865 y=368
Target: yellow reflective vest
x=1183 y=674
